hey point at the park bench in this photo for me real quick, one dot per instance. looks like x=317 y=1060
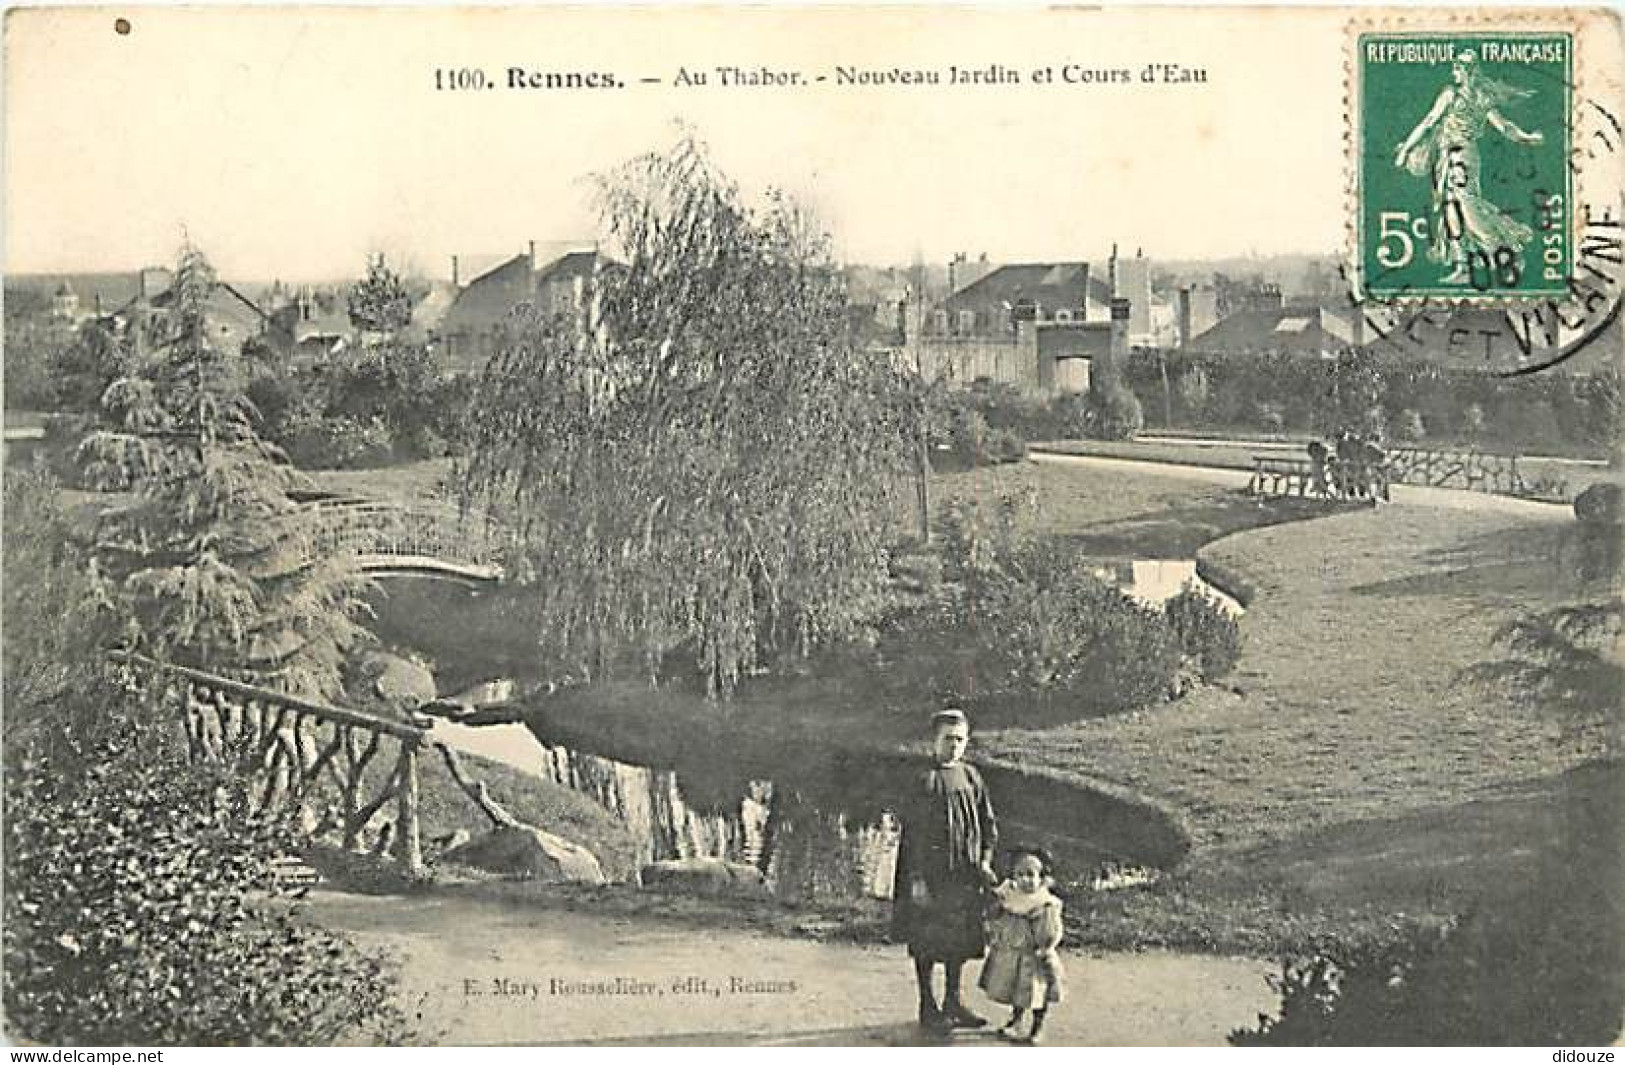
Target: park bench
x=1277 y=476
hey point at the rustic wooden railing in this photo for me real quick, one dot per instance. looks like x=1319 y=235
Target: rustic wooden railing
x=295 y=746
x=1456 y=468
x=1277 y=476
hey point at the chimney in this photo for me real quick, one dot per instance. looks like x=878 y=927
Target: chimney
x=154 y=280
x=1183 y=303
x=1118 y=346
x=1111 y=274
x=454 y=281
x=533 y=255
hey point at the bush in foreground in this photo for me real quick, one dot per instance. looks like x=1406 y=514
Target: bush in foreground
x=1538 y=963
x=136 y=909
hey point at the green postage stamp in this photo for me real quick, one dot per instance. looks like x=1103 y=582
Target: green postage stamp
x=1463 y=184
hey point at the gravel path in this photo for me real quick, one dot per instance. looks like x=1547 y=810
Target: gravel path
x=491 y=972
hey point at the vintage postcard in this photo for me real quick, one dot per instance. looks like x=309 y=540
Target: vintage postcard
x=786 y=526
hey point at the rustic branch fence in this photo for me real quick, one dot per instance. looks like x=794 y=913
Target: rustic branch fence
x=1456 y=468
x=294 y=746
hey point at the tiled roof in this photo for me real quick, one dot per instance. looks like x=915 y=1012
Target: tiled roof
x=1301 y=330
x=567 y=267
x=1050 y=285
x=490 y=297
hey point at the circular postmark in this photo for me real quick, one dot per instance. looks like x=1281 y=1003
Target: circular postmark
x=1490 y=234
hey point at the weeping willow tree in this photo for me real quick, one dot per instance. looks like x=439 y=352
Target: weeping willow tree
x=212 y=565
x=697 y=460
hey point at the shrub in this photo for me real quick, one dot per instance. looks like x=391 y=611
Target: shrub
x=1207 y=634
x=1072 y=415
x=1114 y=413
x=1054 y=628
x=1409 y=426
x=1271 y=419
x=133 y=911
x=1046 y=626
x=1006 y=445
x=339 y=442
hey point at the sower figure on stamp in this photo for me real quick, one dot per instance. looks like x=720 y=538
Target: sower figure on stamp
x=944 y=870
x=1445 y=147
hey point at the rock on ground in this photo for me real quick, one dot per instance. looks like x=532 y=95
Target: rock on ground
x=704 y=876
x=519 y=850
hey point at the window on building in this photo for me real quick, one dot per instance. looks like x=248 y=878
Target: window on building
x=1063 y=315
x=967 y=321
x=939 y=322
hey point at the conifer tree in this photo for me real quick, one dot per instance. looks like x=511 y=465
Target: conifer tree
x=379 y=303
x=213 y=565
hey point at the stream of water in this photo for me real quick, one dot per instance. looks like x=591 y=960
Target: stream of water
x=814 y=822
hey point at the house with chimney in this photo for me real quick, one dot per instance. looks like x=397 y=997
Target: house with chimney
x=1044 y=328
x=470 y=330
x=312 y=325
x=231 y=318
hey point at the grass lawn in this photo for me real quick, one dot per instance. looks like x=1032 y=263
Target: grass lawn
x=412 y=480
x=1350 y=764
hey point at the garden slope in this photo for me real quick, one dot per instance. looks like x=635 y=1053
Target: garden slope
x=1350 y=707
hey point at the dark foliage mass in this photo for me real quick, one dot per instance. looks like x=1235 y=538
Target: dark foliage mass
x=1207 y=633
x=1046 y=630
x=379 y=302
x=365 y=407
x=1410 y=401
x=138 y=904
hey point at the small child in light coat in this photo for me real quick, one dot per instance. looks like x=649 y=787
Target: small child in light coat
x=1022 y=969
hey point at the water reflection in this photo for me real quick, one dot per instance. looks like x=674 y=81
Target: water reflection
x=803 y=851
x=1154 y=581
x=813 y=817
x=806 y=852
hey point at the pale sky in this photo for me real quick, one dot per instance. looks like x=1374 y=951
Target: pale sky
x=291 y=142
